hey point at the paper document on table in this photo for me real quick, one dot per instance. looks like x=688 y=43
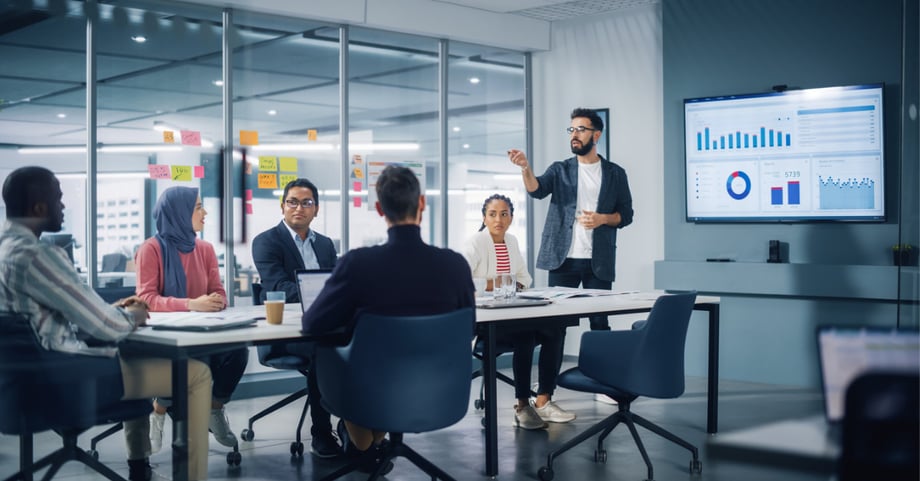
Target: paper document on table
x=564 y=293
x=186 y=321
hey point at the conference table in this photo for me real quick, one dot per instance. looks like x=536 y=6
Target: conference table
x=491 y=322
x=180 y=346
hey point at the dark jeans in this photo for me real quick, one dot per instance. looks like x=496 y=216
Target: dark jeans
x=523 y=344
x=573 y=272
x=226 y=370
x=319 y=417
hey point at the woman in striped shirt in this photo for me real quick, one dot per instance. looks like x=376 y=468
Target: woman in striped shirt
x=494 y=251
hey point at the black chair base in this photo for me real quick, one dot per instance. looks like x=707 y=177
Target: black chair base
x=297 y=447
x=394 y=448
x=627 y=417
x=68 y=452
x=234 y=458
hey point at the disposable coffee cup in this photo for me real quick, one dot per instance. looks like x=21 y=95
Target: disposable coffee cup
x=274 y=307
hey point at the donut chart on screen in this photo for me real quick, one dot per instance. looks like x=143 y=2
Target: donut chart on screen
x=730 y=187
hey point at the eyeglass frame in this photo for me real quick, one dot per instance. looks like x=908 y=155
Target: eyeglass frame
x=580 y=129
x=303 y=204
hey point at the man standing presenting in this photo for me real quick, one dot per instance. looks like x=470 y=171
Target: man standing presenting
x=590 y=201
x=404 y=276
x=280 y=252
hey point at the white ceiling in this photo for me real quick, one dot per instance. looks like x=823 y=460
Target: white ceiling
x=550 y=10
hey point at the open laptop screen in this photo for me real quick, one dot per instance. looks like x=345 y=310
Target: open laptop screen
x=310 y=283
x=847 y=352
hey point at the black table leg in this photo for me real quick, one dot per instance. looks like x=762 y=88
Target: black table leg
x=180 y=419
x=488 y=378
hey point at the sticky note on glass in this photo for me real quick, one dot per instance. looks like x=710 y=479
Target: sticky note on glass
x=268 y=181
x=285 y=178
x=357 y=186
x=357 y=173
x=249 y=137
x=158 y=171
x=249 y=208
x=199 y=171
x=289 y=164
x=191 y=137
x=169 y=137
x=181 y=173
x=249 y=194
x=311 y=135
x=356 y=202
x=268 y=163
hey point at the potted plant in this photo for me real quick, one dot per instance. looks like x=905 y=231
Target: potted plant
x=902 y=254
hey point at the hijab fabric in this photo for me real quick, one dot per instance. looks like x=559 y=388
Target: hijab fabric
x=173 y=215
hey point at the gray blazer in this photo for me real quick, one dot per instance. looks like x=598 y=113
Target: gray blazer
x=561 y=180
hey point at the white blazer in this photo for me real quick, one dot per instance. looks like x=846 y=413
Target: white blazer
x=479 y=252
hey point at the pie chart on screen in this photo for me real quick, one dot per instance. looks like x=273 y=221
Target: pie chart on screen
x=738 y=185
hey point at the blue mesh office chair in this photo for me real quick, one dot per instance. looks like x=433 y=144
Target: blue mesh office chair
x=43 y=390
x=645 y=361
x=400 y=375
x=276 y=357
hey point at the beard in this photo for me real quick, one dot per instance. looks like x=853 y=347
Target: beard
x=585 y=148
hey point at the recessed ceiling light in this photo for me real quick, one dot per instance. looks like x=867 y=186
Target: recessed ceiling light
x=218 y=83
x=466 y=146
x=474 y=80
x=272 y=112
x=139 y=38
x=61 y=116
x=456 y=129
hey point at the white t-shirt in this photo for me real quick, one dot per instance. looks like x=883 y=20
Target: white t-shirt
x=589 y=189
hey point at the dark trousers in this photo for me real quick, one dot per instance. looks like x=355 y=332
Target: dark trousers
x=522 y=344
x=319 y=417
x=573 y=272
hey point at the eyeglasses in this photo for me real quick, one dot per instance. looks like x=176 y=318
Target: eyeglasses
x=294 y=203
x=580 y=129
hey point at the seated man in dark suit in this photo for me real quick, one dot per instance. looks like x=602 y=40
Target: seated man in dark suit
x=404 y=276
x=278 y=253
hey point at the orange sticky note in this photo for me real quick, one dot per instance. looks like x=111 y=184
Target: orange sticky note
x=311 y=135
x=158 y=171
x=191 y=137
x=268 y=181
x=199 y=171
x=356 y=202
x=168 y=137
x=249 y=137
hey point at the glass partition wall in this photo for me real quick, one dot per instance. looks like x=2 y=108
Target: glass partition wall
x=158 y=121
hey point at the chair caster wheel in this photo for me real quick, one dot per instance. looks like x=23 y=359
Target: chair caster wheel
x=478 y=404
x=545 y=474
x=696 y=467
x=234 y=458
x=483 y=422
x=297 y=449
x=600 y=456
x=248 y=435
x=94 y=454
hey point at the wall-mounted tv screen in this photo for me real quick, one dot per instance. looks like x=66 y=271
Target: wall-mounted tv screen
x=797 y=155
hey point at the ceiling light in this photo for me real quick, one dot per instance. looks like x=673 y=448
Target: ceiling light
x=139 y=38
x=272 y=112
x=79 y=149
x=392 y=146
x=161 y=126
x=61 y=116
x=474 y=80
x=466 y=146
x=218 y=83
x=456 y=129
x=311 y=147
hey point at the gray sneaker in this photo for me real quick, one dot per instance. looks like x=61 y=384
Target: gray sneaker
x=552 y=413
x=527 y=418
x=220 y=427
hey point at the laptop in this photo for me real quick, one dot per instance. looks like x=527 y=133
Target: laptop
x=210 y=323
x=310 y=282
x=488 y=303
x=845 y=352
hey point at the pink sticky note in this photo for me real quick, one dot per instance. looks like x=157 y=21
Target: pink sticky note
x=199 y=172
x=248 y=194
x=357 y=186
x=191 y=137
x=356 y=202
x=158 y=171
x=248 y=208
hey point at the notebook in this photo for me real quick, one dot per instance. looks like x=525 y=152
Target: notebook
x=845 y=352
x=485 y=303
x=206 y=324
x=311 y=282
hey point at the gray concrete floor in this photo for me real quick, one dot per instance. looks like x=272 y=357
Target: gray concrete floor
x=459 y=449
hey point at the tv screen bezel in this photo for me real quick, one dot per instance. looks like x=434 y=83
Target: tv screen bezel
x=738 y=219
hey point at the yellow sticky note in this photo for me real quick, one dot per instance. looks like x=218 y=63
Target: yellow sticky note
x=169 y=137
x=181 y=172
x=268 y=163
x=268 y=181
x=285 y=178
x=289 y=164
x=311 y=135
x=249 y=137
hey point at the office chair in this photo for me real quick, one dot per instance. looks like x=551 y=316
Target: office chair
x=399 y=375
x=114 y=262
x=43 y=390
x=645 y=361
x=278 y=358
x=881 y=428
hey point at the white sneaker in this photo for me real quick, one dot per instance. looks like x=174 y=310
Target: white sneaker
x=552 y=413
x=156 y=431
x=220 y=427
x=527 y=418
x=603 y=398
